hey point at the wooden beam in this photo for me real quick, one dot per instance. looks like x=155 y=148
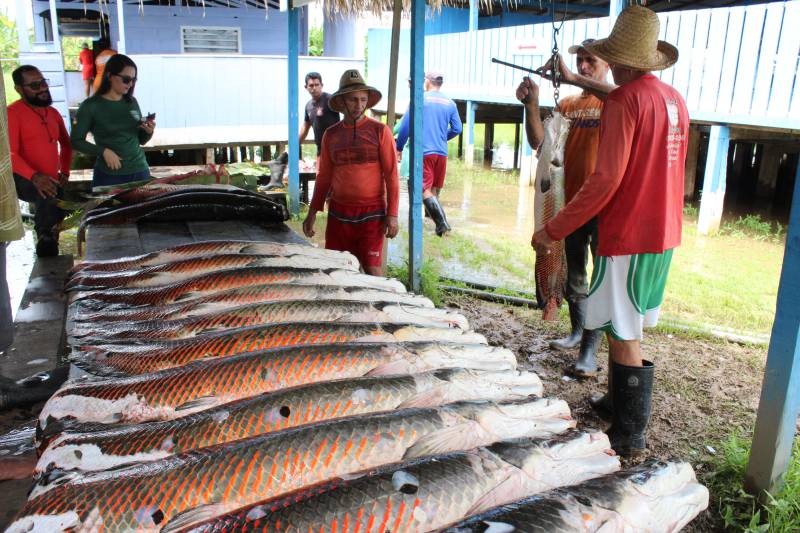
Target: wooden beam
x=690 y=174
x=415 y=151
x=713 y=198
x=294 y=116
x=777 y=410
x=394 y=53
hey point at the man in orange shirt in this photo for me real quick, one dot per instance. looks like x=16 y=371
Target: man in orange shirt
x=358 y=175
x=86 y=59
x=636 y=193
x=106 y=53
x=41 y=154
x=580 y=154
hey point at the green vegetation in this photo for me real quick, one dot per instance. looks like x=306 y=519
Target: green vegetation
x=315 y=41
x=9 y=52
x=754 y=227
x=740 y=511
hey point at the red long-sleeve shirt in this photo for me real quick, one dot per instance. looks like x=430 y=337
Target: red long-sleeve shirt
x=358 y=168
x=38 y=140
x=636 y=190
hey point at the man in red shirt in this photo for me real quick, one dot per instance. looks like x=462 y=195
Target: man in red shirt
x=583 y=111
x=636 y=192
x=358 y=175
x=41 y=154
x=86 y=58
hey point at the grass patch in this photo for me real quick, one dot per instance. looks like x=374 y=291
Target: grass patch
x=429 y=278
x=740 y=511
x=754 y=227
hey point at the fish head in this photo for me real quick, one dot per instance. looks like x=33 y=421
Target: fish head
x=516 y=418
x=461 y=355
x=563 y=459
x=467 y=383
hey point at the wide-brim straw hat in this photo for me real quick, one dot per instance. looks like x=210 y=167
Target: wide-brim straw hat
x=350 y=82
x=633 y=43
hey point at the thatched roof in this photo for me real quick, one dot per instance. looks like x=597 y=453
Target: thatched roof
x=354 y=7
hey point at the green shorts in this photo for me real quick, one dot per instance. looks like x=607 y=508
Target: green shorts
x=626 y=292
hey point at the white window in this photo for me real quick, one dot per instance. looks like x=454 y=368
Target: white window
x=210 y=40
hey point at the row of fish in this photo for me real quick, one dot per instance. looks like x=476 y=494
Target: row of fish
x=298 y=394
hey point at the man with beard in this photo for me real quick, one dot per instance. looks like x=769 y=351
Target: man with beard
x=41 y=154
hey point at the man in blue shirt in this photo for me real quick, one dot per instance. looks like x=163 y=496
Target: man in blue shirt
x=440 y=124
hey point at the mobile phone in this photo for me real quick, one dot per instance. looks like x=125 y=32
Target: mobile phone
x=150 y=117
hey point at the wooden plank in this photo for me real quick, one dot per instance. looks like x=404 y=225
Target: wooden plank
x=786 y=62
x=680 y=79
x=712 y=61
x=671 y=32
x=730 y=58
x=748 y=58
x=697 y=58
x=780 y=392
x=765 y=71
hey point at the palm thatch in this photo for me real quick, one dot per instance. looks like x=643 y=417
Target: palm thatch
x=355 y=7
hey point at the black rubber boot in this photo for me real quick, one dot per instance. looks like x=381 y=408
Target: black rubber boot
x=632 y=395
x=47 y=244
x=276 y=170
x=586 y=365
x=437 y=214
x=577 y=316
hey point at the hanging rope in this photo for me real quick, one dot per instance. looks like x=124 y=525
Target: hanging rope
x=555 y=54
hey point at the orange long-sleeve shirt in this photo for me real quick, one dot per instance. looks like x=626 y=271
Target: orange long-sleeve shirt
x=636 y=189
x=38 y=140
x=358 y=167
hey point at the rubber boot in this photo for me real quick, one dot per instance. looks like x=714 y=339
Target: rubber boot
x=577 y=315
x=437 y=214
x=586 y=365
x=47 y=243
x=632 y=396
x=276 y=170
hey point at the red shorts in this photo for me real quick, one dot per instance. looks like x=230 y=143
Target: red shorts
x=434 y=167
x=357 y=229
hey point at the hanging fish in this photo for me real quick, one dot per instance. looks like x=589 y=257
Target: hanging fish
x=551 y=268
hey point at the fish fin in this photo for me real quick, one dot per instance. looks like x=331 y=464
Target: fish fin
x=203 y=402
x=193 y=516
x=459 y=437
x=389 y=369
x=509 y=489
x=430 y=398
x=96 y=369
x=188 y=296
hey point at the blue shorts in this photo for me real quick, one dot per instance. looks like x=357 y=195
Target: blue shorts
x=102 y=178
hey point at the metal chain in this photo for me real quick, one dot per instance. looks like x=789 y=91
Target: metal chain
x=555 y=54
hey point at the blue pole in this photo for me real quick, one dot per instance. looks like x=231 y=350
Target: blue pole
x=294 y=126
x=469 y=153
x=415 y=170
x=713 y=198
x=778 y=407
x=473 y=15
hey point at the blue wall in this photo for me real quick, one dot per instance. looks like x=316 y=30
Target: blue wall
x=454 y=20
x=157 y=30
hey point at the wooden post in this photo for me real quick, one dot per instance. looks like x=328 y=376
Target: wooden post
x=294 y=116
x=690 y=173
x=488 y=144
x=768 y=171
x=777 y=409
x=713 y=199
x=516 y=146
x=395 y=51
x=210 y=159
x=266 y=153
x=461 y=144
x=415 y=152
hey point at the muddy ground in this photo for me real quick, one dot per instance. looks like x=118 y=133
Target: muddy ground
x=705 y=388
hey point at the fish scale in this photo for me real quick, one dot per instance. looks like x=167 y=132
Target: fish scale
x=266 y=413
x=252 y=295
x=215 y=282
x=180 y=391
x=196 y=249
x=149 y=495
x=160 y=355
x=272 y=312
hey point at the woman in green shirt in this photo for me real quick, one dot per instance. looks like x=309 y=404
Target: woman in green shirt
x=113 y=117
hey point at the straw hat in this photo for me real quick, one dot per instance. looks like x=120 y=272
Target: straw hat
x=634 y=43
x=350 y=82
x=575 y=47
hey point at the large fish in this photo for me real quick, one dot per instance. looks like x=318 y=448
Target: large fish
x=257 y=415
x=180 y=489
x=551 y=268
x=214 y=282
x=181 y=391
x=247 y=296
x=199 y=249
x=160 y=355
x=430 y=493
x=184 y=269
x=655 y=497
x=269 y=313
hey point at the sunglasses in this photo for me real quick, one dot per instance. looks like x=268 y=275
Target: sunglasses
x=126 y=79
x=38 y=84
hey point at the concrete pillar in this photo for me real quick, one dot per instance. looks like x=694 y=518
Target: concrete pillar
x=690 y=177
x=768 y=171
x=339 y=36
x=714 y=179
x=469 y=153
x=121 y=25
x=528 y=161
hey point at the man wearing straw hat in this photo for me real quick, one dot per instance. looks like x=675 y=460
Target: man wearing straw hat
x=636 y=192
x=580 y=153
x=358 y=170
